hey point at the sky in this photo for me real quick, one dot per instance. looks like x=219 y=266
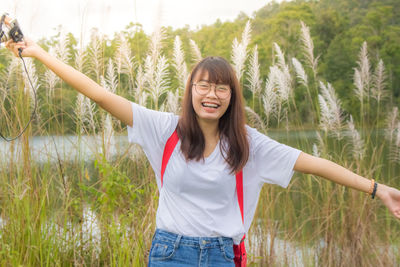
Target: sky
x=41 y=18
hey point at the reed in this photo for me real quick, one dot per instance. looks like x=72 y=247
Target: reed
x=196 y=51
x=239 y=51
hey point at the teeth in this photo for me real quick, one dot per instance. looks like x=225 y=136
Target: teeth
x=210 y=105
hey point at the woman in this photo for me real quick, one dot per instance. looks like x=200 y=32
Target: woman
x=200 y=214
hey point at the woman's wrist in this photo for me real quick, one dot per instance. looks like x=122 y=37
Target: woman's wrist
x=381 y=191
x=39 y=52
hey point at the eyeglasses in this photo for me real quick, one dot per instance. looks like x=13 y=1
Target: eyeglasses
x=221 y=91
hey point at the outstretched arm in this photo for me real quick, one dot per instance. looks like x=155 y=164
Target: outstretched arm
x=118 y=106
x=338 y=174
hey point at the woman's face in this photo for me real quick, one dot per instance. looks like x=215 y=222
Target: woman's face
x=211 y=105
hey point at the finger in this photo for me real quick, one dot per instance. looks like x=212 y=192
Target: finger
x=397 y=215
x=8 y=43
x=19 y=45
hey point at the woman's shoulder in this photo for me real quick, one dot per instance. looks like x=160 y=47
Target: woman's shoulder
x=254 y=134
x=258 y=139
x=149 y=122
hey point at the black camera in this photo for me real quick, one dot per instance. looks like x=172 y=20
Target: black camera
x=9 y=29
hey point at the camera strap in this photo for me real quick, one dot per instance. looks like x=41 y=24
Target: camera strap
x=34 y=109
x=1 y=26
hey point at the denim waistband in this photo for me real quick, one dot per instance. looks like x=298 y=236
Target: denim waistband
x=201 y=242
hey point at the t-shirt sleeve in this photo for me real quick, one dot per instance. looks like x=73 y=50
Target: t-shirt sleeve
x=274 y=161
x=151 y=130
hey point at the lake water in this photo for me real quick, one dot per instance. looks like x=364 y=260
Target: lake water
x=66 y=148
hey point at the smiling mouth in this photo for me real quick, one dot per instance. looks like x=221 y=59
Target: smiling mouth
x=210 y=105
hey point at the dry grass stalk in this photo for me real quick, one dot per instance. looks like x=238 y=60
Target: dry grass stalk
x=80 y=59
x=51 y=79
x=362 y=74
x=108 y=137
x=196 y=51
x=391 y=123
x=397 y=143
x=33 y=78
x=90 y=111
x=139 y=84
x=269 y=98
x=392 y=134
x=331 y=114
x=61 y=49
x=125 y=61
x=281 y=71
x=315 y=150
x=80 y=111
x=300 y=73
x=173 y=102
x=96 y=54
x=157 y=80
x=156 y=44
x=239 y=50
x=254 y=73
x=308 y=47
x=364 y=65
x=255 y=119
x=379 y=82
x=179 y=64
x=357 y=142
x=111 y=77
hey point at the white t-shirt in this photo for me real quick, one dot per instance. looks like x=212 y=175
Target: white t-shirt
x=198 y=198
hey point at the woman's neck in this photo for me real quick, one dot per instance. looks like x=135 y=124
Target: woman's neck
x=211 y=136
x=209 y=129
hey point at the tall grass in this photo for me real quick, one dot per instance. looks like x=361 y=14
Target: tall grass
x=100 y=211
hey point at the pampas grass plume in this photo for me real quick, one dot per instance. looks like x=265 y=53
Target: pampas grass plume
x=196 y=51
x=379 y=82
x=357 y=142
x=300 y=73
x=254 y=73
x=308 y=47
x=179 y=63
x=239 y=50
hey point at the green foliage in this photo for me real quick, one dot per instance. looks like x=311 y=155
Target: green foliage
x=116 y=192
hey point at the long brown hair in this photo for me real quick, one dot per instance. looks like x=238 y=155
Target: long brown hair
x=231 y=126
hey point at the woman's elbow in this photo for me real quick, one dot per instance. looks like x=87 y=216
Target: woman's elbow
x=307 y=163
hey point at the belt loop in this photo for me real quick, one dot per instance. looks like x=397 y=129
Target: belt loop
x=221 y=244
x=177 y=241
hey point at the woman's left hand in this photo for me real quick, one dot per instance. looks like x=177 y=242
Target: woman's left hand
x=391 y=198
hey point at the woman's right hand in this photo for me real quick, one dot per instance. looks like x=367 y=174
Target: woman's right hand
x=29 y=47
x=391 y=198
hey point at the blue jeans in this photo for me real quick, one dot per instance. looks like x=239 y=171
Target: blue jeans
x=168 y=249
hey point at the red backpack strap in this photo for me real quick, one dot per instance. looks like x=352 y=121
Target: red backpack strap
x=240 y=250
x=239 y=191
x=169 y=148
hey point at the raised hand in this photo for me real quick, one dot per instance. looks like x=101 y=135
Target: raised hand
x=29 y=47
x=391 y=198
